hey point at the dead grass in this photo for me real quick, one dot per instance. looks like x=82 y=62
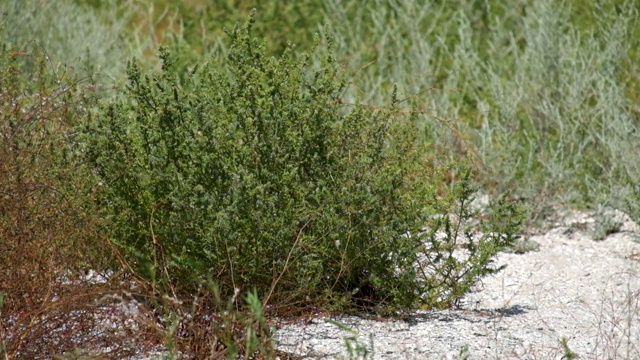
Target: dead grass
x=48 y=237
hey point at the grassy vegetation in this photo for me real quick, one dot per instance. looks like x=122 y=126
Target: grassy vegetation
x=72 y=36
x=541 y=95
x=300 y=169
x=544 y=102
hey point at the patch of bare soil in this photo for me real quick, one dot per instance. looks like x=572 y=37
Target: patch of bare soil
x=573 y=287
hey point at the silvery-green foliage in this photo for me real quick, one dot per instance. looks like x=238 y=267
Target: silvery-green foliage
x=71 y=35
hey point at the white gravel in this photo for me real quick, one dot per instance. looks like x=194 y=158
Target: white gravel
x=573 y=287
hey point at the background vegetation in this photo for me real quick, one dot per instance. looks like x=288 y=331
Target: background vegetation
x=542 y=95
x=539 y=98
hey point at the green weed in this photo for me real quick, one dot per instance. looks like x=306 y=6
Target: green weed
x=257 y=173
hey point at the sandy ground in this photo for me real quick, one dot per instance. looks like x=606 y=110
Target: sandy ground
x=572 y=287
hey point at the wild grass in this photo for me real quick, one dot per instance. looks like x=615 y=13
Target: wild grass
x=540 y=94
x=72 y=35
x=547 y=103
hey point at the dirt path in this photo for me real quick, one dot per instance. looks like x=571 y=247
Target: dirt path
x=573 y=287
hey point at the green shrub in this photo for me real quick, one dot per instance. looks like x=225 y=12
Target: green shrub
x=255 y=173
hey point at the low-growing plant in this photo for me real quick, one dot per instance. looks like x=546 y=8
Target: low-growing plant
x=457 y=251
x=568 y=353
x=205 y=326
x=256 y=173
x=523 y=246
x=354 y=348
x=606 y=222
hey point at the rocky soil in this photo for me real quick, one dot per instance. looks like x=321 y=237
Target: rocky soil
x=572 y=287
